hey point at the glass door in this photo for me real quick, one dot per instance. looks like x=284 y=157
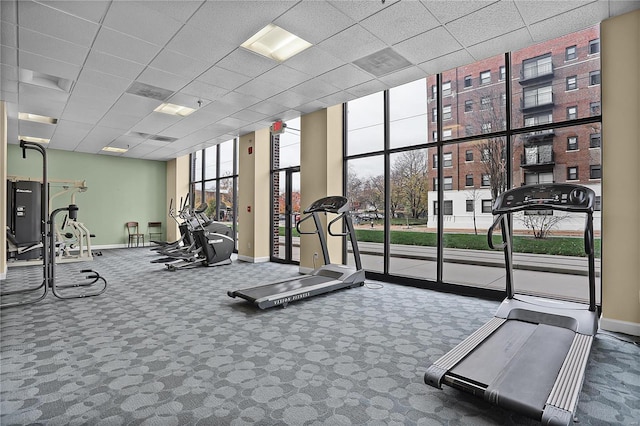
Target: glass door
x=286 y=244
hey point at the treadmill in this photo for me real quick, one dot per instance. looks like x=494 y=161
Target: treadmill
x=531 y=357
x=326 y=278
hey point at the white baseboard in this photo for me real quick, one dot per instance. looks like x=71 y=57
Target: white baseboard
x=252 y=259
x=618 y=326
x=305 y=270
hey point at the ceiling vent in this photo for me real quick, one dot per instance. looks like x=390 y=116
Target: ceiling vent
x=149 y=91
x=382 y=62
x=163 y=138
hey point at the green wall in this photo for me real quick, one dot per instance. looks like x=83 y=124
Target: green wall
x=119 y=189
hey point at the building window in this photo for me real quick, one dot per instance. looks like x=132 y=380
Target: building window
x=572 y=143
x=486 y=206
x=594 y=107
x=448 y=183
x=594 y=78
x=446 y=134
x=446 y=89
x=434 y=115
x=598 y=204
x=485 y=180
x=434 y=91
x=446 y=112
x=468 y=105
x=572 y=112
x=469 y=205
x=447 y=159
x=502 y=72
x=594 y=46
x=535 y=67
x=448 y=208
x=485 y=102
x=435 y=208
x=572 y=82
x=503 y=99
x=468 y=81
x=572 y=173
x=434 y=136
x=595 y=171
x=435 y=161
x=468 y=155
x=534 y=120
x=468 y=180
x=485 y=77
x=486 y=127
x=538 y=96
x=570 y=53
x=594 y=140
x=468 y=130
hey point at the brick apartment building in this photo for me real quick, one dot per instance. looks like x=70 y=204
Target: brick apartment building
x=552 y=82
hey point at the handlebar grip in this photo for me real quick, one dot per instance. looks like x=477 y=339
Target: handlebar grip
x=340 y=234
x=490 y=233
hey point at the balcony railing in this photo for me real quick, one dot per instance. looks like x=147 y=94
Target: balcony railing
x=536 y=101
x=537 y=158
x=536 y=74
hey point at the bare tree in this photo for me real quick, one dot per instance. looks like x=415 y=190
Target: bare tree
x=410 y=181
x=542 y=223
x=474 y=194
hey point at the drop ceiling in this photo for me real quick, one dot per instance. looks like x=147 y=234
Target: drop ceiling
x=188 y=53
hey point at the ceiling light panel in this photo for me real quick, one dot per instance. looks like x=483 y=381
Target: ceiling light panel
x=37 y=118
x=276 y=43
x=174 y=109
x=45 y=80
x=33 y=139
x=114 y=149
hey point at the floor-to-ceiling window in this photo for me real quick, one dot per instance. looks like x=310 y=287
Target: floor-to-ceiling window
x=214 y=182
x=448 y=144
x=285 y=184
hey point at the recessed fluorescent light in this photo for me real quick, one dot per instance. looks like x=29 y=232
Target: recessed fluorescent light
x=45 y=80
x=114 y=149
x=32 y=139
x=37 y=118
x=174 y=109
x=276 y=43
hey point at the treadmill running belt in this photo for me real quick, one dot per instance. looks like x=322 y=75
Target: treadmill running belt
x=280 y=288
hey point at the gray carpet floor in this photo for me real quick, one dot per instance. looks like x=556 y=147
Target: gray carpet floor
x=171 y=348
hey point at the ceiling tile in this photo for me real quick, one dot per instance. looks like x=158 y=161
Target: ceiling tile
x=314 y=61
x=179 y=64
x=109 y=82
x=200 y=89
x=313 y=21
x=85 y=110
x=352 y=43
x=426 y=46
x=504 y=43
x=179 y=10
x=531 y=11
x=247 y=63
x=9 y=35
x=445 y=11
x=114 y=65
x=239 y=99
x=36 y=130
x=401 y=21
x=89 y=91
x=259 y=89
x=42 y=101
x=315 y=88
x=268 y=108
x=481 y=24
x=155 y=123
x=68 y=134
x=199 y=119
x=9 y=12
x=43 y=64
x=447 y=62
x=97 y=138
x=364 y=89
x=360 y=9
x=223 y=78
x=213 y=17
x=93 y=10
x=55 y=23
x=137 y=20
x=9 y=56
x=283 y=76
x=291 y=99
x=51 y=47
x=346 y=76
x=162 y=79
x=566 y=23
x=403 y=76
x=124 y=46
x=248 y=116
x=199 y=44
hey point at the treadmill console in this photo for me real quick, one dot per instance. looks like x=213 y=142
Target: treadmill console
x=332 y=204
x=557 y=196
